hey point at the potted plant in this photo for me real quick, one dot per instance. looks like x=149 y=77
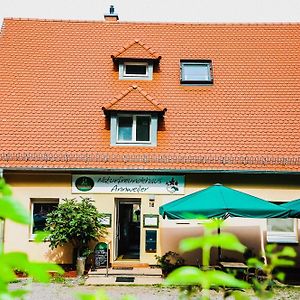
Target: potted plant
x=169 y=262
x=78 y=223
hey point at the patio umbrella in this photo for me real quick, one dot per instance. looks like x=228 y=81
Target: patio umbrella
x=218 y=201
x=293 y=207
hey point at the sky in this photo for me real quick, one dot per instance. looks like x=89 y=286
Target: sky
x=208 y=11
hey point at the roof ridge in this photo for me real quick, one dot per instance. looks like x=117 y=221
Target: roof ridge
x=130 y=44
x=297 y=23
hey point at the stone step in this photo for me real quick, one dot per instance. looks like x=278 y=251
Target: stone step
x=128 y=272
x=123 y=280
x=129 y=264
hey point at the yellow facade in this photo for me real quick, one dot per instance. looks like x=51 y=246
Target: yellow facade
x=57 y=185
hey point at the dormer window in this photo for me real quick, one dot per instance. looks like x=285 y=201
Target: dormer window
x=196 y=72
x=133 y=129
x=134 y=117
x=135 y=70
x=135 y=61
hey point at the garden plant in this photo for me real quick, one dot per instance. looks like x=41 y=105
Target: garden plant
x=188 y=277
x=75 y=222
x=206 y=278
x=10 y=209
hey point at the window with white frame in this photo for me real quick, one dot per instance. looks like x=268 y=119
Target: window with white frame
x=40 y=208
x=135 y=70
x=196 y=72
x=282 y=231
x=134 y=129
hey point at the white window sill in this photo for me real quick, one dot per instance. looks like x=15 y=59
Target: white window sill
x=282 y=239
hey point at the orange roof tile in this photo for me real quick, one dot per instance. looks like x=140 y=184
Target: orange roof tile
x=134 y=98
x=55 y=75
x=136 y=50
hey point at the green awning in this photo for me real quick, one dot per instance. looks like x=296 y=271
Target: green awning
x=219 y=201
x=293 y=207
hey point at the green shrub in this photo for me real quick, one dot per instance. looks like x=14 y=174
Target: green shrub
x=75 y=222
x=169 y=262
x=12 y=261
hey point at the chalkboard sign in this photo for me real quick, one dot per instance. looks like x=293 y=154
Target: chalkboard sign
x=100 y=255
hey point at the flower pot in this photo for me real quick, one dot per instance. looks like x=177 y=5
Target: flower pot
x=80 y=266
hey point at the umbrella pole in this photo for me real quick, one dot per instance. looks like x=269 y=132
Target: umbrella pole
x=219 y=248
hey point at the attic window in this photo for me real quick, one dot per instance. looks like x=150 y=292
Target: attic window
x=196 y=72
x=132 y=129
x=135 y=70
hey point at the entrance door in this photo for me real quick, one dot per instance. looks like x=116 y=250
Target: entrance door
x=128 y=228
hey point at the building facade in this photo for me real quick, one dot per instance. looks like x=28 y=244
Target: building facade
x=134 y=115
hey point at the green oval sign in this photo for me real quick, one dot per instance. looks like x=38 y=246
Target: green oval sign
x=101 y=246
x=84 y=183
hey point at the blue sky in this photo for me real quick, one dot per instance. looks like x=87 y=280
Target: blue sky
x=157 y=10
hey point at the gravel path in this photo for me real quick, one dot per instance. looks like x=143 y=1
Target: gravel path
x=68 y=291
x=55 y=291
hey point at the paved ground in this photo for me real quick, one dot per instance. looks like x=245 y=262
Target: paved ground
x=56 y=291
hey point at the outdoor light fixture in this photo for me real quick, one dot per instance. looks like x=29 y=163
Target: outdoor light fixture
x=151 y=200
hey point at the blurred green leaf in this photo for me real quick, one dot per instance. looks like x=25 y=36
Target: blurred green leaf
x=6 y=274
x=41 y=236
x=99 y=295
x=16 y=260
x=191 y=244
x=6 y=296
x=288 y=251
x=18 y=293
x=270 y=248
x=224 y=240
x=186 y=276
x=280 y=276
x=206 y=279
x=214 y=224
x=281 y=262
x=13 y=210
x=229 y=241
x=10 y=262
x=40 y=271
x=5 y=188
x=128 y=297
x=220 y=278
x=238 y=295
x=254 y=262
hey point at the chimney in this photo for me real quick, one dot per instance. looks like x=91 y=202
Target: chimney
x=111 y=16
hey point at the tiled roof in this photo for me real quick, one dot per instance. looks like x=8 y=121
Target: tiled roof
x=55 y=76
x=136 y=50
x=134 y=98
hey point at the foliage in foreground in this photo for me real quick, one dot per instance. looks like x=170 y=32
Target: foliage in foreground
x=190 y=277
x=263 y=285
x=101 y=295
x=9 y=262
x=205 y=278
x=77 y=222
